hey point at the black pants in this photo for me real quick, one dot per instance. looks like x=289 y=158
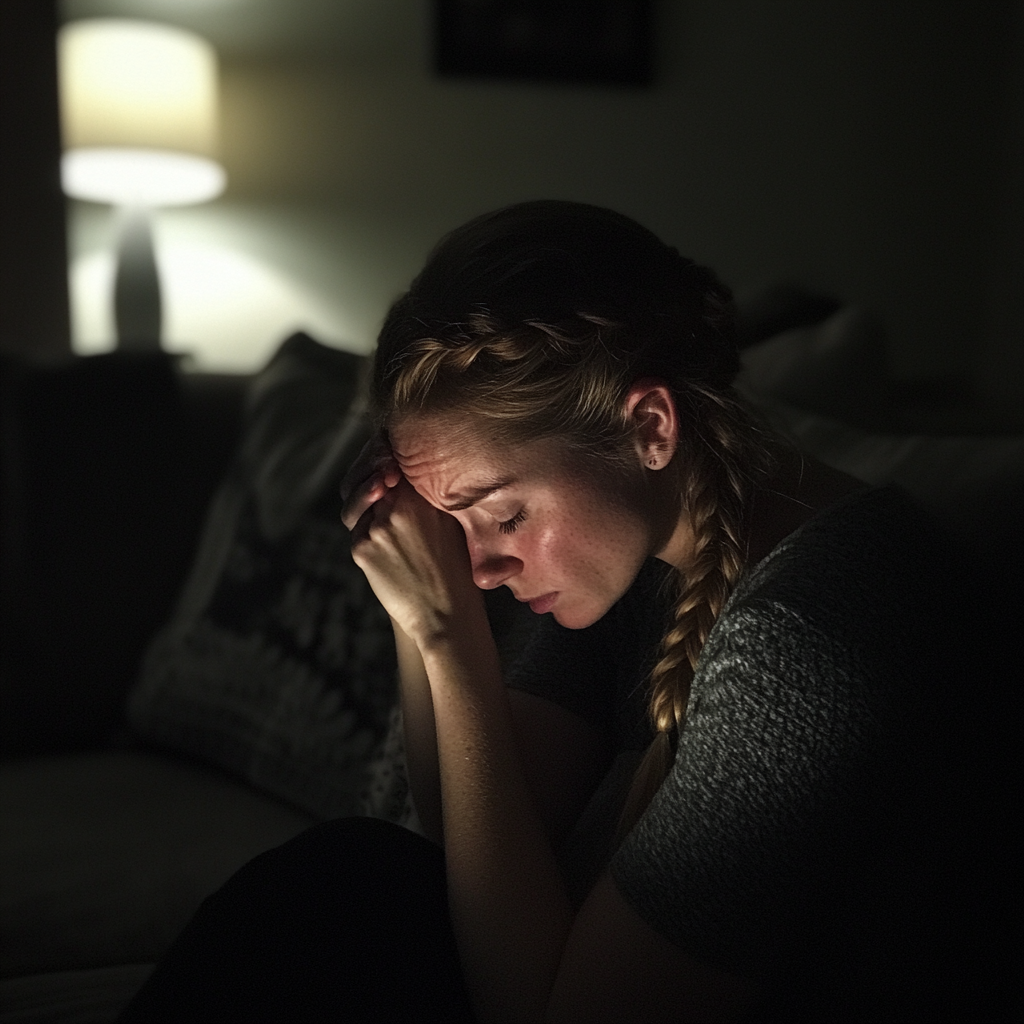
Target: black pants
x=346 y=922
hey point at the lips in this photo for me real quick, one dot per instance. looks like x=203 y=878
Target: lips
x=543 y=604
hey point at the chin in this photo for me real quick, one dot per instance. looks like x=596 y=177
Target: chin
x=593 y=605
x=578 y=618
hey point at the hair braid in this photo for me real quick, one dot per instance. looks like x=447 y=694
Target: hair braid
x=719 y=479
x=715 y=498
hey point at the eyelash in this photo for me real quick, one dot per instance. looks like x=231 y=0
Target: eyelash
x=511 y=525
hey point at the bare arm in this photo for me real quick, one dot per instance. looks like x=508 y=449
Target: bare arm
x=372 y=475
x=420 y=735
x=526 y=954
x=507 y=898
x=563 y=756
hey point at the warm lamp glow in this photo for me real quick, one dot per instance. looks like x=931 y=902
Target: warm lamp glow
x=140 y=177
x=139 y=113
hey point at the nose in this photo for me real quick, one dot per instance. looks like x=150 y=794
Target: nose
x=491 y=571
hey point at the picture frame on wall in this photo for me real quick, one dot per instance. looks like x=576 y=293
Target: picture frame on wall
x=605 y=42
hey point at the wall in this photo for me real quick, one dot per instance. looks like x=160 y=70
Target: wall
x=33 y=257
x=1001 y=376
x=858 y=147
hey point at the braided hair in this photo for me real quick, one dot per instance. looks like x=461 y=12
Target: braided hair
x=535 y=321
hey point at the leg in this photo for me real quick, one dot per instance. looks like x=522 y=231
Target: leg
x=346 y=922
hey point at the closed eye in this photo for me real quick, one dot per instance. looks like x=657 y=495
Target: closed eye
x=511 y=525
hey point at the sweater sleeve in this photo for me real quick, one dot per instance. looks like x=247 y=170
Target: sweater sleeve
x=799 y=777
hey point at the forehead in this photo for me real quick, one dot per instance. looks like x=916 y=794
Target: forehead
x=445 y=457
x=423 y=439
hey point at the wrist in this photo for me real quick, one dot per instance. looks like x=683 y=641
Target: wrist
x=446 y=627
x=464 y=640
x=447 y=633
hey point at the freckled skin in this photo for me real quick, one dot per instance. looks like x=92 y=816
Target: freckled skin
x=574 y=541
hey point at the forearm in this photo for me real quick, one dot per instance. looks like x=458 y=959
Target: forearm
x=509 y=907
x=420 y=735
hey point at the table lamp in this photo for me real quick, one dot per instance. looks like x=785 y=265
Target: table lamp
x=139 y=123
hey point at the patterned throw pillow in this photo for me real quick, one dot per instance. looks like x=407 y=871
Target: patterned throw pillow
x=278 y=664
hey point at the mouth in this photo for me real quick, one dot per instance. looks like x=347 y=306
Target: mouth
x=541 y=605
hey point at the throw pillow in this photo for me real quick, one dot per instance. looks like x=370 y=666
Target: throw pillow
x=278 y=665
x=836 y=368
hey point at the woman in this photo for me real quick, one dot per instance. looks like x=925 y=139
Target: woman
x=556 y=409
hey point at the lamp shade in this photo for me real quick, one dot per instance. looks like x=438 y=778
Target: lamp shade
x=138 y=113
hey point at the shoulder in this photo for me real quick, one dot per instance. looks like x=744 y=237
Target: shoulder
x=835 y=642
x=807 y=713
x=864 y=541
x=863 y=585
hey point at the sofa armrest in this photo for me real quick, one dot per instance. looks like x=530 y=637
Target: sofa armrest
x=108 y=463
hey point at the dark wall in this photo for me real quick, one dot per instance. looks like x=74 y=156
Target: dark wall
x=33 y=250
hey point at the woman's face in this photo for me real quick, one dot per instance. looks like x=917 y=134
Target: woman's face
x=557 y=537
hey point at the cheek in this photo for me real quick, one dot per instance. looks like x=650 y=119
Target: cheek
x=542 y=549
x=570 y=544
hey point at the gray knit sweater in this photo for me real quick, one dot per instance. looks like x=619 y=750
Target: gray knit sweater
x=794 y=839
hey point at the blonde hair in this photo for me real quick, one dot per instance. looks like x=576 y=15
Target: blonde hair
x=535 y=321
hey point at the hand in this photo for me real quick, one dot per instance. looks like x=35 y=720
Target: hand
x=416 y=560
x=369 y=478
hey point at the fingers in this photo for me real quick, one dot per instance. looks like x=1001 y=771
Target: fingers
x=360 y=530
x=397 y=513
x=364 y=497
x=374 y=456
x=369 y=478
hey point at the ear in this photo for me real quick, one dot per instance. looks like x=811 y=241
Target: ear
x=651 y=409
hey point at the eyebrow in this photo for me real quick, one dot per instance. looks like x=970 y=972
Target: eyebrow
x=474 y=495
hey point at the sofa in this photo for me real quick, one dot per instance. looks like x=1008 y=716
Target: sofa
x=194 y=671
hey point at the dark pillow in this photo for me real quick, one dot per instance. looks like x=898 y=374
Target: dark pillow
x=279 y=663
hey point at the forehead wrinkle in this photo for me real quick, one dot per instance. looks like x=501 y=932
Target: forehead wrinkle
x=426 y=450
x=453 y=464
x=442 y=476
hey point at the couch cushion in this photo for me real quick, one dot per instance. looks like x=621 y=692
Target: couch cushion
x=105 y=856
x=279 y=662
x=827 y=388
x=93 y=996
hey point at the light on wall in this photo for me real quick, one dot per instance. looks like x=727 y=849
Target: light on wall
x=139 y=121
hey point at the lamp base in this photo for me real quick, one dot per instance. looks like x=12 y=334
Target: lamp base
x=137 y=304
